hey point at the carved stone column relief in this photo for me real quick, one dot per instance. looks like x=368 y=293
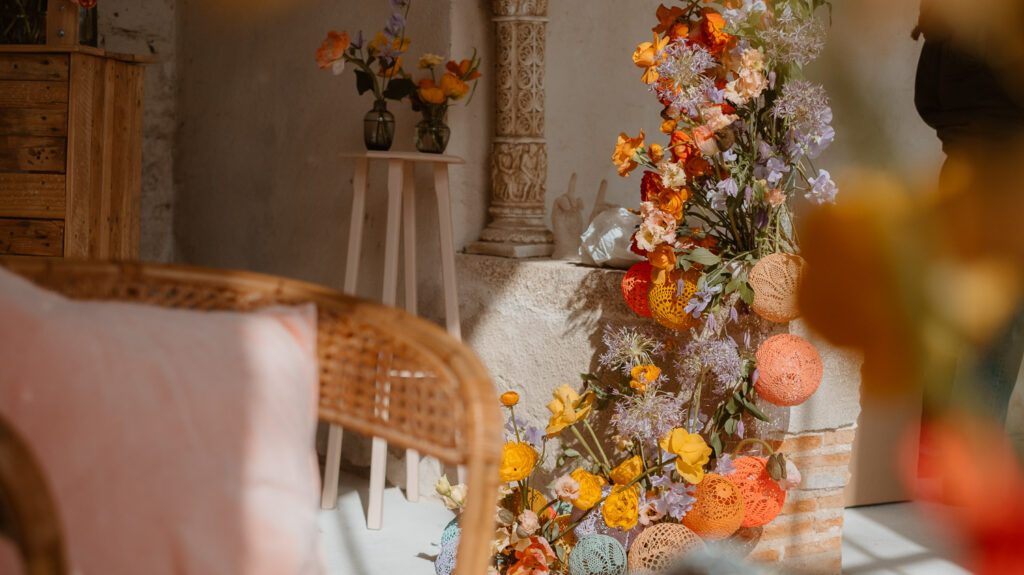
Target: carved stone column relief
x=519 y=157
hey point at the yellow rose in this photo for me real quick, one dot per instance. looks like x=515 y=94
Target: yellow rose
x=590 y=488
x=517 y=461
x=692 y=453
x=567 y=408
x=621 y=509
x=628 y=470
x=642 y=376
x=428 y=61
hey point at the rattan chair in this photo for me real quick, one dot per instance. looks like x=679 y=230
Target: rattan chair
x=383 y=372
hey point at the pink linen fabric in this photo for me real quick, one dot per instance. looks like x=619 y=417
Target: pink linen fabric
x=175 y=442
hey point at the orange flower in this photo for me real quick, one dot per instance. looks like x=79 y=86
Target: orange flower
x=430 y=93
x=331 y=49
x=453 y=87
x=509 y=398
x=669 y=126
x=663 y=257
x=646 y=56
x=462 y=69
x=686 y=152
x=712 y=35
x=671 y=202
x=669 y=20
x=655 y=152
x=650 y=186
x=625 y=150
x=395 y=68
x=704 y=137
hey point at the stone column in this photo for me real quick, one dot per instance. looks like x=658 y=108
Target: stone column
x=519 y=159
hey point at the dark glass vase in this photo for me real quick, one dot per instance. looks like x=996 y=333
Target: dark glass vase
x=379 y=127
x=431 y=132
x=88 y=27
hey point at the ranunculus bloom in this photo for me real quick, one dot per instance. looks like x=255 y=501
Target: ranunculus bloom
x=624 y=150
x=529 y=522
x=453 y=87
x=646 y=56
x=533 y=555
x=622 y=508
x=567 y=489
x=461 y=69
x=509 y=398
x=87 y=4
x=712 y=34
x=671 y=202
x=631 y=468
x=517 y=461
x=668 y=126
x=662 y=257
x=590 y=488
x=669 y=20
x=332 y=49
x=704 y=137
x=691 y=451
x=655 y=152
x=642 y=376
x=428 y=61
x=686 y=153
x=567 y=408
x=430 y=93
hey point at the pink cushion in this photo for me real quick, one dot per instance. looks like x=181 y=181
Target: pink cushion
x=176 y=442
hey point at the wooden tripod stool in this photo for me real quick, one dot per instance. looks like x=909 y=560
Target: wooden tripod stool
x=401 y=213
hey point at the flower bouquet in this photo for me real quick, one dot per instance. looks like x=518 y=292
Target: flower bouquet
x=433 y=95
x=378 y=68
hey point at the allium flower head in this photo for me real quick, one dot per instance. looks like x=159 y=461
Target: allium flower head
x=792 y=39
x=647 y=417
x=805 y=108
x=682 y=81
x=627 y=348
x=716 y=357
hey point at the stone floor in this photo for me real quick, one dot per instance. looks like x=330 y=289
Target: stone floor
x=877 y=540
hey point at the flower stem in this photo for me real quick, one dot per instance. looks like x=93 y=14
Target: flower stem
x=512 y=414
x=590 y=451
x=749 y=440
x=600 y=448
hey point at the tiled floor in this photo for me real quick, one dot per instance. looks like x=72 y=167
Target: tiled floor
x=878 y=540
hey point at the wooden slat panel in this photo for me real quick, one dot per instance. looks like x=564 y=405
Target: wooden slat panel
x=31 y=94
x=33 y=122
x=31 y=237
x=32 y=196
x=32 y=154
x=124 y=82
x=85 y=198
x=61 y=22
x=34 y=67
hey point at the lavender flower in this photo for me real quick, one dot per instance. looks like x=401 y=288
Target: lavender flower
x=718 y=357
x=700 y=300
x=823 y=189
x=679 y=499
x=627 y=348
x=740 y=15
x=357 y=43
x=529 y=433
x=684 y=64
x=394 y=26
x=792 y=39
x=805 y=108
x=725 y=465
x=647 y=417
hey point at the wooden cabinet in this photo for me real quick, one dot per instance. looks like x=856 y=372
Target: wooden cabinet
x=70 y=152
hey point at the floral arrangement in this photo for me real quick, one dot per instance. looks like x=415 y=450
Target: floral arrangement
x=86 y=4
x=453 y=84
x=744 y=128
x=378 y=63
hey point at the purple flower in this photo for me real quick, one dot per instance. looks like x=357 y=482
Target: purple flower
x=805 y=109
x=647 y=417
x=729 y=155
x=775 y=168
x=823 y=189
x=357 y=43
x=700 y=300
x=761 y=218
x=734 y=316
x=533 y=435
x=739 y=429
x=679 y=499
x=717 y=357
x=725 y=465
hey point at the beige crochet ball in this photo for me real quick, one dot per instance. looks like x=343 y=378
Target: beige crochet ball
x=658 y=547
x=776 y=283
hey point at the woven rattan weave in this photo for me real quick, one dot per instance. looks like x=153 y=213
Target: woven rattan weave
x=762 y=497
x=658 y=547
x=383 y=372
x=718 y=511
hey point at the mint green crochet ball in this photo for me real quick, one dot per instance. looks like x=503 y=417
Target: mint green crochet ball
x=597 y=555
x=450 y=531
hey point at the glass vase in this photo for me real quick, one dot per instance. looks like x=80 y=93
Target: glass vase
x=431 y=132
x=88 y=27
x=379 y=127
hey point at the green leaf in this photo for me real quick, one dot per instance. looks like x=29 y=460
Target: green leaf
x=747 y=293
x=702 y=256
x=754 y=410
x=730 y=427
x=716 y=444
x=364 y=81
x=399 y=88
x=733 y=285
x=588 y=377
x=570 y=452
x=560 y=551
x=731 y=406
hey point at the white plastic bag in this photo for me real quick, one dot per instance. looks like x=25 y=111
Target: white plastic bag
x=606 y=241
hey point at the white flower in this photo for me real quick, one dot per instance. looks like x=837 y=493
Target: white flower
x=567 y=489
x=529 y=522
x=792 y=478
x=672 y=174
x=338 y=66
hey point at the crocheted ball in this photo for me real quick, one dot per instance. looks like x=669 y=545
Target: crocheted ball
x=667 y=308
x=597 y=555
x=718 y=511
x=762 y=497
x=789 y=370
x=450 y=531
x=635 y=288
x=776 y=282
x=658 y=546
x=445 y=562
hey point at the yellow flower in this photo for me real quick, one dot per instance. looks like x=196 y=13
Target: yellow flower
x=430 y=93
x=646 y=56
x=625 y=148
x=428 y=61
x=509 y=398
x=567 y=408
x=590 y=488
x=628 y=470
x=643 y=375
x=692 y=453
x=453 y=87
x=655 y=152
x=395 y=68
x=517 y=461
x=380 y=40
x=668 y=126
x=621 y=509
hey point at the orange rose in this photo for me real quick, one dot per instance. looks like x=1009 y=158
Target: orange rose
x=332 y=49
x=669 y=20
x=453 y=87
x=704 y=137
x=671 y=202
x=650 y=186
x=687 y=153
x=663 y=257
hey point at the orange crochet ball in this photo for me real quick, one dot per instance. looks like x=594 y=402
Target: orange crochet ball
x=668 y=308
x=789 y=370
x=776 y=283
x=762 y=497
x=658 y=546
x=719 y=509
x=635 y=288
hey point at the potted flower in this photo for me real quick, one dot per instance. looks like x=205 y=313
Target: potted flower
x=433 y=94
x=378 y=67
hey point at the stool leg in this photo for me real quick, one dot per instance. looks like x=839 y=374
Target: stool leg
x=444 y=217
x=412 y=457
x=332 y=463
x=379 y=453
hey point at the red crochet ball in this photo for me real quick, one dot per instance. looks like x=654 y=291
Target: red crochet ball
x=789 y=370
x=762 y=497
x=635 y=286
